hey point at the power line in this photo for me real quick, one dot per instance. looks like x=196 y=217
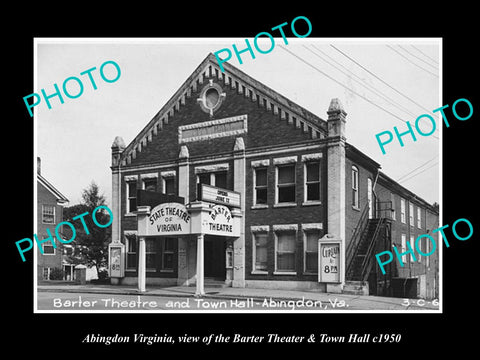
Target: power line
x=417 y=57
x=425 y=163
x=377 y=77
x=421 y=52
x=346 y=87
x=366 y=85
x=406 y=58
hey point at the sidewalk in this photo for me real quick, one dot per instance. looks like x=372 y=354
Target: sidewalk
x=351 y=302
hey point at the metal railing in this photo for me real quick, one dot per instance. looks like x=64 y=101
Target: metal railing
x=352 y=247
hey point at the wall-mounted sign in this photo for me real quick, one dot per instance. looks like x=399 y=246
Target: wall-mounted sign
x=329 y=262
x=218 y=195
x=168 y=219
x=219 y=221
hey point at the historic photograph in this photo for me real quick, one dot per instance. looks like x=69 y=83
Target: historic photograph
x=270 y=174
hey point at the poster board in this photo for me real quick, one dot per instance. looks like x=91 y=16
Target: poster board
x=329 y=261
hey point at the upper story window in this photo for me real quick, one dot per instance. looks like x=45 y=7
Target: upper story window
x=218 y=179
x=131 y=195
x=261 y=186
x=355 y=200
x=150 y=184
x=402 y=211
x=48 y=214
x=286 y=183
x=312 y=181
x=168 y=182
x=419 y=218
x=411 y=214
x=392 y=199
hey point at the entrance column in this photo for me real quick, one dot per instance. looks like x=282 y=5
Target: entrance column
x=239 y=185
x=141 y=264
x=200 y=266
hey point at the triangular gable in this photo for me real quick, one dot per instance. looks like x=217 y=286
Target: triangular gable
x=287 y=110
x=58 y=195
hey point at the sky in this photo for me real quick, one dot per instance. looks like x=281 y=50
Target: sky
x=402 y=82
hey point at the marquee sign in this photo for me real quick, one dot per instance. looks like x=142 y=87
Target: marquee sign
x=218 y=195
x=168 y=219
x=219 y=222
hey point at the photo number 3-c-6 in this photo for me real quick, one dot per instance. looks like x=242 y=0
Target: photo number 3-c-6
x=419 y=302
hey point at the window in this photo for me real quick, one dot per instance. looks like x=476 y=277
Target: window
x=286 y=184
x=393 y=213
x=402 y=211
x=427 y=251
x=311 y=251
x=404 y=248
x=285 y=251
x=411 y=213
x=47 y=247
x=355 y=202
x=48 y=214
x=169 y=186
x=46 y=273
x=419 y=218
x=131 y=246
x=312 y=181
x=150 y=254
x=168 y=254
x=218 y=179
x=370 y=198
x=260 y=195
x=412 y=245
x=131 y=196
x=150 y=184
x=260 y=251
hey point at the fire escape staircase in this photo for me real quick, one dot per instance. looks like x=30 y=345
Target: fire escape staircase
x=360 y=252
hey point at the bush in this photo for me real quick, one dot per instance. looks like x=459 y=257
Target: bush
x=56 y=274
x=102 y=274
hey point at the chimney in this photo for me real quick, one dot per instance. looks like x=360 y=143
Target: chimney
x=39 y=166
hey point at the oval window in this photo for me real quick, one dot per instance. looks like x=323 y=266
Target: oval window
x=211 y=98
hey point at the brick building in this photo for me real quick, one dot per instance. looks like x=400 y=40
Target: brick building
x=50 y=204
x=298 y=181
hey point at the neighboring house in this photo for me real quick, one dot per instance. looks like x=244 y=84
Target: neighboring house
x=50 y=204
x=298 y=179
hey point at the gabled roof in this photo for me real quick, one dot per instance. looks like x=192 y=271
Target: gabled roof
x=58 y=195
x=237 y=79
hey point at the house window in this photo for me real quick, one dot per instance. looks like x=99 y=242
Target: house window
x=131 y=246
x=150 y=184
x=46 y=273
x=286 y=184
x=168 y=254
x=311 y=251
x=411 y=213
x=419 y=218
x=285 y=251
x=48 y=214
x=131 y=196
x=151 y=254
x=47 y=247
x=404 y=248
x=312 y=181
x=355 y=202
x=393 y=213
x=402 y=211
x=260 y=251
x=260 y=195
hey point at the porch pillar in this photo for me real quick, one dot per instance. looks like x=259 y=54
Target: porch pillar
x=200 y=266
x=141 y=264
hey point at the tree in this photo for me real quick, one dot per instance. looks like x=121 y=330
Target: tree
x=91 y=241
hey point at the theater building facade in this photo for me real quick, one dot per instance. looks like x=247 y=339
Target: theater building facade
x=257 y=192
